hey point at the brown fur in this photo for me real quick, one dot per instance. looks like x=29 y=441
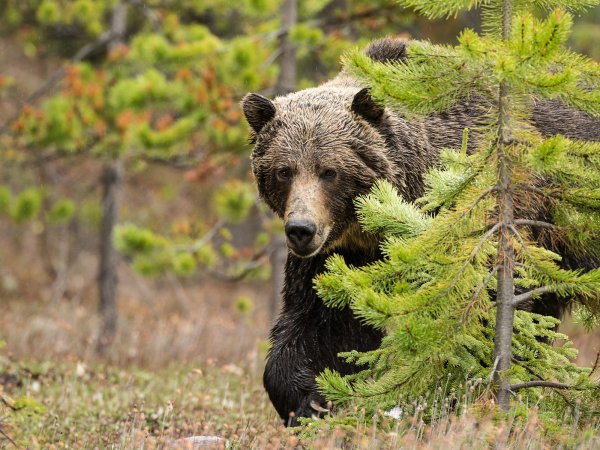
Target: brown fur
x=302 y=137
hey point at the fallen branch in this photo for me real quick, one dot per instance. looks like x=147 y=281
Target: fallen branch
x=7 y=437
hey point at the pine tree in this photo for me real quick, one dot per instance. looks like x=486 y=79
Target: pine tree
x=461 y=263
x=147 y=84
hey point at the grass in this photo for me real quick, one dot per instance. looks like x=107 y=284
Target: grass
x=187 y=362
x=69 y=404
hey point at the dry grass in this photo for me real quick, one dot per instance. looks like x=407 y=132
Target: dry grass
x=185 y=362
x=73 y=405
x=154 y=330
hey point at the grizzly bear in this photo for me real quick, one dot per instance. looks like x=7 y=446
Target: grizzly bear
x=316 y=150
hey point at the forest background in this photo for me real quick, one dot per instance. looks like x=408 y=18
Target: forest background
x=131 y=233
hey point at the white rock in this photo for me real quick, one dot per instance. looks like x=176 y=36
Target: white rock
x=195 y=442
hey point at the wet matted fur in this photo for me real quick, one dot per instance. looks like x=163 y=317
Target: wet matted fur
x=314 y=151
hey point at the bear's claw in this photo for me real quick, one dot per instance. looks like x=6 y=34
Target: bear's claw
x=317 y=407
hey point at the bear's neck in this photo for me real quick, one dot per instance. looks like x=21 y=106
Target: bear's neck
x=300 y=295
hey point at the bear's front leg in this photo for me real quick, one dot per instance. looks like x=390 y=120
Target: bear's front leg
x=289 y=379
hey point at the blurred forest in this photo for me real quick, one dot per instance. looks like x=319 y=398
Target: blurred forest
x=131 y=228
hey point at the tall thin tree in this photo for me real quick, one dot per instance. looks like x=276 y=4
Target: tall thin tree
x=286 y=82
x=111 y=181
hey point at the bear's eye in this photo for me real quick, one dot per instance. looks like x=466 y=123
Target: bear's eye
x=284 y=174
x=328 y=174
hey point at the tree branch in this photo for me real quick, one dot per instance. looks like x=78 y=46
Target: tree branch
x=596 y=363
x=518 y=299
x=58 y=75
x=484 y=239
x=472 y=206
x=535 y=223
x=538 y=191
x=478 y=291
x=206 y=238
x=481 y=243
x=548 y=384
x=494 y=369
x=244 y=270
x=179 y=162
x=148 y=12
x=540 y=378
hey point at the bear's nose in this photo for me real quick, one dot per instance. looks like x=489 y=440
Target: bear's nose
x=300 y=233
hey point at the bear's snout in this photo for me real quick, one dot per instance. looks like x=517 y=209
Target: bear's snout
x=300 y=233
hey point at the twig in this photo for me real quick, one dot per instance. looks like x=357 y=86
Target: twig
x=596 y=363
x=472 y=206
x=494 y=368
x=478 y=291
x=524 y=246
x=540 y=378
x=245 y=270
x=474 y=253
x=206 y=238
x=484 y=239
x=148 y=13
x=8 y=438
x=538 y=191
x=179 y=162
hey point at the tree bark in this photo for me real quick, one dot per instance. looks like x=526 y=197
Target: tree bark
x=111 y=180
x=107 y=270
x=277 y=259
x=286 y=83
x=505 y=311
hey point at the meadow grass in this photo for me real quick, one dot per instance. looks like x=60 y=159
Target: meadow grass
x=69 y=404
x=195 y=369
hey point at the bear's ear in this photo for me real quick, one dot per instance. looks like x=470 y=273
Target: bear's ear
x=258 y=110
x=387 y=50
x=364 y=105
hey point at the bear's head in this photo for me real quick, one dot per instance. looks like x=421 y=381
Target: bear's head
x=315 y=151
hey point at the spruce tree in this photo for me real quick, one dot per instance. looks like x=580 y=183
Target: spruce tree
x=460 y=264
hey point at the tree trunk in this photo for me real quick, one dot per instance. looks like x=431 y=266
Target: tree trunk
x=277 y=259
x=107 y=272
x=286 y=82
x=505 y=311
x=111 y=179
